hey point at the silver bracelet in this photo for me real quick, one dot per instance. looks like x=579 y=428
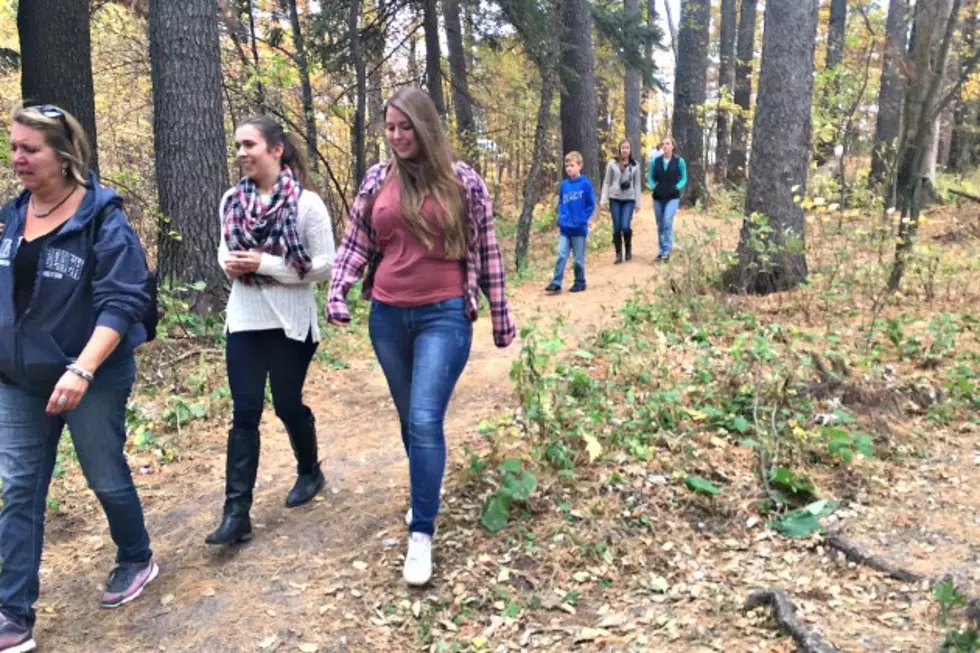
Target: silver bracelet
x=75 y=368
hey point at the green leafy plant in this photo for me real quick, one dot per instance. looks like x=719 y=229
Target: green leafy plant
x=515 y=484
x=804 y=522
x=949 y=597
x=842 y=445
x=700 y=485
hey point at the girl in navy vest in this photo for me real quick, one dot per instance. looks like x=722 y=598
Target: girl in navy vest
x=667 y=177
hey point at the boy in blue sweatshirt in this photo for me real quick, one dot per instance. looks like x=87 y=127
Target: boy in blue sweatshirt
x=576 y=204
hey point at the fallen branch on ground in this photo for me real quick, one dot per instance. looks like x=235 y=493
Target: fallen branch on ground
x=191 y=354
x=860 y=556
x=805 y=636
x=966 y=195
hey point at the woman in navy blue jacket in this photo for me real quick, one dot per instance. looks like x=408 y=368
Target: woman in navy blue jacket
x=72 y=294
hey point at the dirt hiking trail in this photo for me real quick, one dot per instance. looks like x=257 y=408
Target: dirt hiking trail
x=231 y=600
x=327 y=576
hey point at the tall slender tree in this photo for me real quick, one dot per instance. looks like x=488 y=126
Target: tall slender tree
x=462 y=102
x=690 y=92
x=738 y=157
x=56 y=59
x=891 y=93
x=726 y=83
x=633 y=90
x=189 y=140
x=433 y=54
x=836 y=31
x=771 y=252
x=578 y=85
x=303 y=66
x=360 y=90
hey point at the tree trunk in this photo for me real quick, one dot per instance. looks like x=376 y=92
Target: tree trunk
x=578 y=93
x=633 y=91
x=738 y=156
x=462 y=103
x=532 y=186
x=189 y=139
x=376 y=120
x=302 y=64
x=965 y=111
x=690 y=92
x=934 y=25
x=433 y=54
x=771 y=252
x=360 y=98
x=56 y=60
x=671 y=27
x=891 y=93
x=603 y=117
x=260 y=105
x=648 y=53
x=726 y=83
x=930 y=22
x=836 y=31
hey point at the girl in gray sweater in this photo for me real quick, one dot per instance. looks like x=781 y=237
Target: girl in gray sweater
x=621 y=194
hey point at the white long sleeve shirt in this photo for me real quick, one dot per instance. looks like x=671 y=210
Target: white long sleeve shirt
x=289 y=305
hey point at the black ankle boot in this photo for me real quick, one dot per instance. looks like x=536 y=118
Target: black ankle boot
x=628 y=242
x=309 y=477
x=618 y=243
x=240 y=472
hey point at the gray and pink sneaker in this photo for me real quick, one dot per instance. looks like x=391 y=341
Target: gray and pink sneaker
x=127 y=581
x=15 y=638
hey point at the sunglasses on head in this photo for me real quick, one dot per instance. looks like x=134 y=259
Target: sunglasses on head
x=53 y=112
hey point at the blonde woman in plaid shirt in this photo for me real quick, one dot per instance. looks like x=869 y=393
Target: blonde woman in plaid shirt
x=422 y=229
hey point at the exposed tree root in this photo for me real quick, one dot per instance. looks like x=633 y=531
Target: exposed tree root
x=859 y=555
x=806 y=637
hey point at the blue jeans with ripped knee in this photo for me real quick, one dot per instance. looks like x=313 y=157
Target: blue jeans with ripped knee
x=422 y=351
x=28 y=448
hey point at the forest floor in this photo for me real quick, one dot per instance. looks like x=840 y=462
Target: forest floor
x=613 y=554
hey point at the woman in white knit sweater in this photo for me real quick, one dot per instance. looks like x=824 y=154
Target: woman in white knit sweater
x=276 y=243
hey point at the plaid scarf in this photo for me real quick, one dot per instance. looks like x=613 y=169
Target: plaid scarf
x=252 y=224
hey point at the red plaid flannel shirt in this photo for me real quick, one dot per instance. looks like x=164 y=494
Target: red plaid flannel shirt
x=484 y=265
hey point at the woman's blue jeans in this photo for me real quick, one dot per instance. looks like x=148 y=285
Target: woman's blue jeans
x=28 y=449
x=422 y=351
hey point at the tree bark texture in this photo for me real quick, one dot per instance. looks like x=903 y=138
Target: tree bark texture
x=462 y=102
x=360 y=91
x=726 y=83
x=578 y=85
x=836 y=31
x=375 y=126
x=260 y=105
x=934 y=26
x=690 y=93
x=965 y=111
x=303 y=66
x=433 y=54
x=633 y=92
x=771 y=251
x=738 y=155
x=930 y=23
x=189 y=140
x=891 y=95
x=56 y=60
x=671 y=27
x=532 y=185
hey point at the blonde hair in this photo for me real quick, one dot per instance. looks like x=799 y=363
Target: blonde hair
x=672 y=142
x=429 y=173
x=574 y=157
x=63 y=133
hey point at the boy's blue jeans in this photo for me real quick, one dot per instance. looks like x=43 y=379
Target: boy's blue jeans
x=567 y=244
x=422 y=351
x=28 y=449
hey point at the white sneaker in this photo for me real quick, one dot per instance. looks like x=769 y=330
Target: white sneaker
x=408 y=517
x=418 y=560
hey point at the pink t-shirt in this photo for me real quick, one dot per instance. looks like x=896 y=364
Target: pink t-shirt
x=410 y=274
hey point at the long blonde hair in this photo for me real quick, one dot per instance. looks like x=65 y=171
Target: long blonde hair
x=429 y=173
